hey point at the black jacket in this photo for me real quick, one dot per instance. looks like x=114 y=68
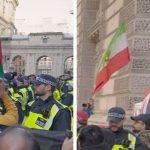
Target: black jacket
x=62 y=120
x=122 y=136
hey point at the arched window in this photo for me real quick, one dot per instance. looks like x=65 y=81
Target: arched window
x=19 y=64
x=44 y=65
x=69 y=64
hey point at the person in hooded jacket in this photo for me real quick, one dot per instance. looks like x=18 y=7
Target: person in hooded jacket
x=93 y=137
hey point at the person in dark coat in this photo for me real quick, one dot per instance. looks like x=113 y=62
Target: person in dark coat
x=93 y=137
x=123 y=137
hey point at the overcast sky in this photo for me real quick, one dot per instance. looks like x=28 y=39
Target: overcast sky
x=56 y=14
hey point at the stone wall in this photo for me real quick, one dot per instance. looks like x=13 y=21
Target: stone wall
x=86 y=49
x=31 y=48
x=127 y=86
x=7 y=16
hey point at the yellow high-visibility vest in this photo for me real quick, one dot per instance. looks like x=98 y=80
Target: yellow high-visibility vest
x=37 y=121
x=56 y=95
x=24 y=100
x=11 y=91
x=131 y=138
x=17 y=97
x=61 y=87
x=31 y=90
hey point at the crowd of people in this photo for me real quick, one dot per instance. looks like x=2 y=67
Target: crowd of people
x=46 y=103
x=114 y=136
x=40 y=102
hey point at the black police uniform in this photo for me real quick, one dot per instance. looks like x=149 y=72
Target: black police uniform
x=121 y=138
x=124 y=137
x=62 y=120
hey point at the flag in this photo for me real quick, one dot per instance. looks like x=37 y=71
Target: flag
x=1 y=62
x=146 y=103
x=114 y=57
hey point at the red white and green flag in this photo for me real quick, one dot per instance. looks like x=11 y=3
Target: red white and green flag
x=114 y=57
x=1 y=62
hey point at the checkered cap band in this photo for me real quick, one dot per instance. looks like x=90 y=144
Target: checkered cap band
x=45 y=81
x=116 y=115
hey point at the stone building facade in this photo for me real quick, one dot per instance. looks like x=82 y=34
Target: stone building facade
x=97 y=22
x=38 y=53
x=7 y=16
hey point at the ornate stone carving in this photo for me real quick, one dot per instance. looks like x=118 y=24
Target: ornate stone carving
x=141 y=47
x=143 y=7
x=141 y=66
x=142 y=44
x=132 y=101
x=139 y=84
x=128 y=102
x=142 y=26
x=121 y=84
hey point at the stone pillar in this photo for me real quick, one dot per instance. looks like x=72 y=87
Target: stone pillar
x=86 y=49
x=127 y=86
x=59 y=64
x=30 y=67
x=54 y=67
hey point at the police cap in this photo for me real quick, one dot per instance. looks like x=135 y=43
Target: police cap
x=8 y=76
x=46 y=79
x=145 y=118
x=116 y=114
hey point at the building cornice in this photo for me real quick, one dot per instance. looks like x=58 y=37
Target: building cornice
x=7 y=23
x=46 y=33
x=36 y=47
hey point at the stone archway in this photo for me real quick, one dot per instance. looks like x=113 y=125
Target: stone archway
x=68 y=64
x=44 y=65
x=18 y=63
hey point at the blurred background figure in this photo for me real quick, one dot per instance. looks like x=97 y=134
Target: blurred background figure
x=18 y=138
x=141 y=127
x=88 y=108
x=8 y=110
x=123 y=138
x=67 y=144
x=31 y=78
x=92 y=137
x=82 y=120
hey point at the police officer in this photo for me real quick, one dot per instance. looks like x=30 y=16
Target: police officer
x=29 y=88
x=66 y=91
x=22 y=91
x=141 y=127
x=45 y=112
x=31 y=78
x=124 y=139
x=8 y=80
